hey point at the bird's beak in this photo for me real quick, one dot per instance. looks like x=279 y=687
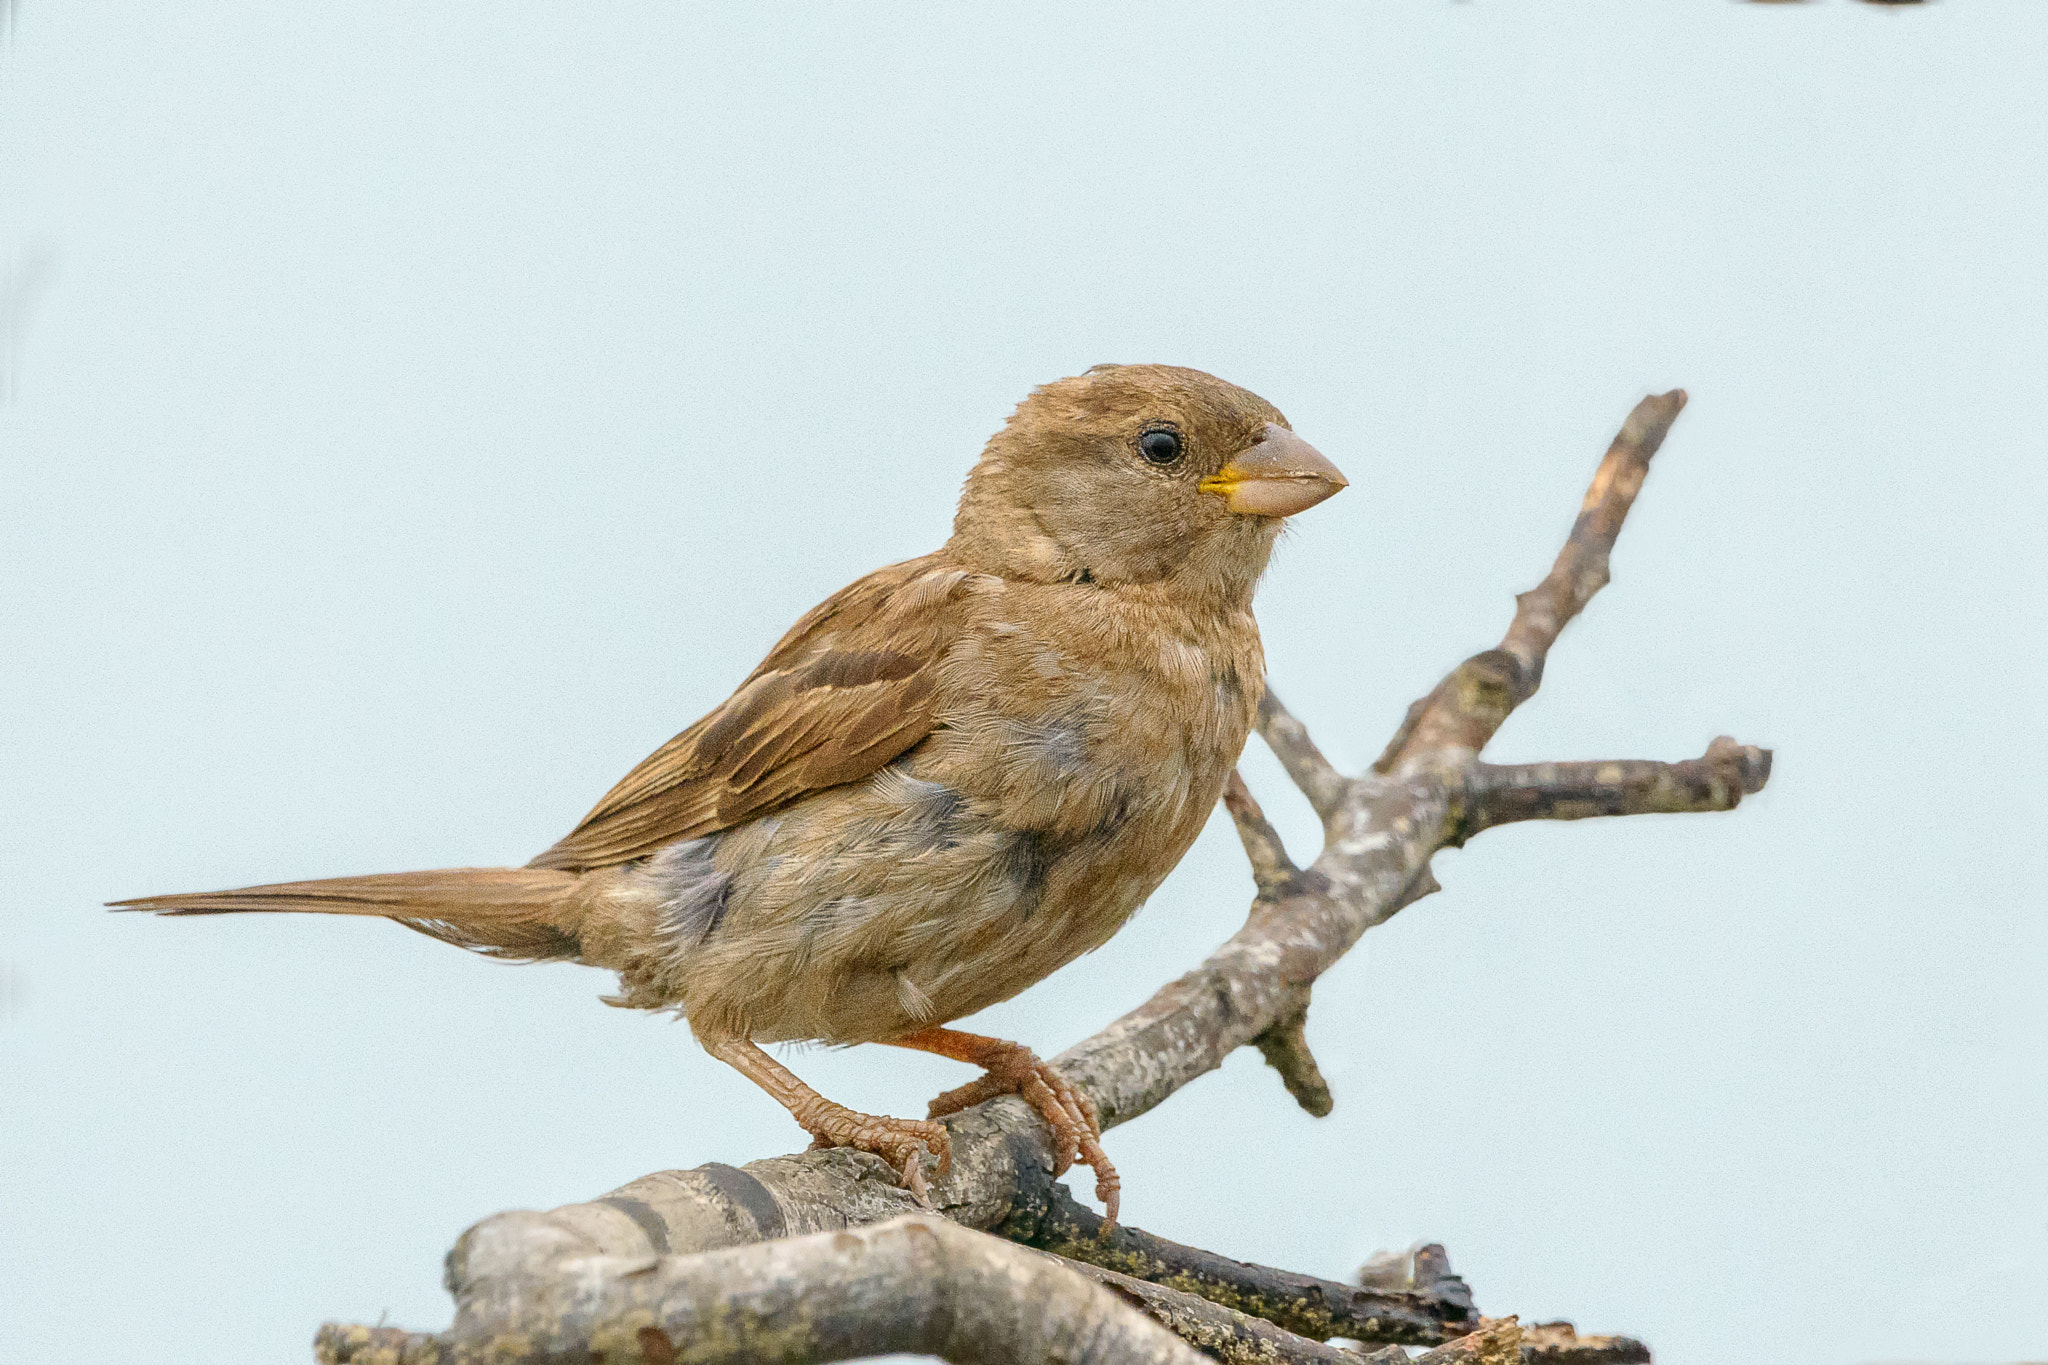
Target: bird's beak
x=1278 y=477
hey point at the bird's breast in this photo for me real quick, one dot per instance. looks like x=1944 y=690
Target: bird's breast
x=1100 y=728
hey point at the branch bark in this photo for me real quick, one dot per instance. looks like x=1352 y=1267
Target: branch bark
x=1428 y=791
x=917 y=1283
x=1558 y=1343
x=1285 y=1048
x=1494 y=795
x=1430 y=1305
x=1448 y=727
x=1221 y=1333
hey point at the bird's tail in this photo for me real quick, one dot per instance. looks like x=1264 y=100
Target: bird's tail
x=519 y=913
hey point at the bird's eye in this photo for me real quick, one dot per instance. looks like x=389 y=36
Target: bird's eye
x=1159 y=446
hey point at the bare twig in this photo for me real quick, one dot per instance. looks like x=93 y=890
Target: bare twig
x=1496 y=795
x=1453 y=723
x=1271 y=867
x=1288 y=738
x=1581 y=567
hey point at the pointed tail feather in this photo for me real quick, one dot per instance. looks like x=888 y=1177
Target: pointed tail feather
x=519 y=913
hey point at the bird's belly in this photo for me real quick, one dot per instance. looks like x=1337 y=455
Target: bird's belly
x=873 y=910
x=1088 y=898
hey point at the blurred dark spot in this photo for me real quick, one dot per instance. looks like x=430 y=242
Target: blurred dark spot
x=655 y=1347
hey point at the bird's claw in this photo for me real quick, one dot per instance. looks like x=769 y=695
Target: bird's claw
x=1075 y=1122
x=903 y=1143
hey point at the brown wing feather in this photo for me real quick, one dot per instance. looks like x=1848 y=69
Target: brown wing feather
x=847 y=690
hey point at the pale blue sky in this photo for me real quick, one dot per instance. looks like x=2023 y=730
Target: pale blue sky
x=429 y=409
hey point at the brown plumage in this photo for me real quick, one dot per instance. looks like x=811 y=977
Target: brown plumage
x=945 y=782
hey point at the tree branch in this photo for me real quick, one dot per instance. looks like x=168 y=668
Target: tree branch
x=1499 y=1342
x=1271 y=867
x=1285 y=1048
x=1558 y=1343
x=1495 y=795
x=917 y=1283
x=1221 y=1333
x=1236 y=1338
x=1453 y=723
x=1432 y=1304
x=1427 y=791
x=1288 y=738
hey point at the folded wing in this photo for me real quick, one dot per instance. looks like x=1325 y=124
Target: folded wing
x=848 y=690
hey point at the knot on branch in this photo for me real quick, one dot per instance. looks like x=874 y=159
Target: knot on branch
x=1424 y=1269
x=1743 y=769
x=1285 y=1048
x=1460 y=713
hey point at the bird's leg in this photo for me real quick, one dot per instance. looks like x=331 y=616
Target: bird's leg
x=900 y=1142
x=1014 y=1069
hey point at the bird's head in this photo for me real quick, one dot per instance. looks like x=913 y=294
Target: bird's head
x=1135 y=474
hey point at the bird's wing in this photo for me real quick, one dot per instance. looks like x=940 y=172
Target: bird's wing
x=847 y=690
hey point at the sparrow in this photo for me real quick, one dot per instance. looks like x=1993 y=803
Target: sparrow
x=947 y=781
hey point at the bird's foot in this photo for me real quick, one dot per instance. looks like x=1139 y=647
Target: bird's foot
x=903 y=1143
x=1076 y=1126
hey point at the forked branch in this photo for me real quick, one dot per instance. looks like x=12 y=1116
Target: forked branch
x=661 y=1270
